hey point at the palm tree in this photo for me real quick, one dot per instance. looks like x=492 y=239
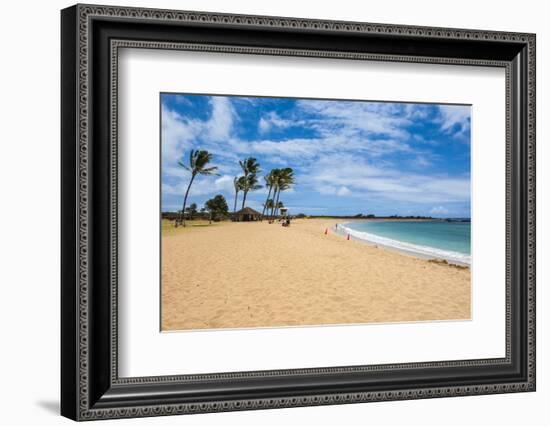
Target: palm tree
x=250 y=168
x=277 y=173
x=239 y=184
x=285 y=178
x=197 y=166
x=269 y=182
x=281 y=186
x=250 y=184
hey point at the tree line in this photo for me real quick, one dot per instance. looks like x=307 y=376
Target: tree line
x=276 y=181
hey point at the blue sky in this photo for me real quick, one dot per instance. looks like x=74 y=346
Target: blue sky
x=349 y=157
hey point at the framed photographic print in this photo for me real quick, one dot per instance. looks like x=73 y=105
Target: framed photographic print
x=263 y=212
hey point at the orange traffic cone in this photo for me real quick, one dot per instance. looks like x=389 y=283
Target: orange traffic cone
x=348 y=237
x=326 y=231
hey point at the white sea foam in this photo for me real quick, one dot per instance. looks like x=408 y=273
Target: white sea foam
x=421 y=251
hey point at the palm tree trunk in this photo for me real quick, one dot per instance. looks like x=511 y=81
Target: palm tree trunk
x=277 y=204
x=265 y=204
x=273 y=206
x=185 y=200
x=235 y=205
x=244 y=197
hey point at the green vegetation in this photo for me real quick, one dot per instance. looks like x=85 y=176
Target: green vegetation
x=277 y=181
x=269 y=179
x=197 y=166
x=217 y=207
x=250 y=169
x=191 y=210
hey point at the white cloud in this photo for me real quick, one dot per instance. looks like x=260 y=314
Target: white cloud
x=365 y=180
x=305 y=148
x=384 y=119
x=454 y=119
x=178 y=134
x=339 y=130
x=203 y=185
x=421 y=161
x=224 y=184
x=273 y=120
x=439 y=210
x=416 y=111
x=343 y=191
x=264 y=125
x=182 y=100
x=220 y=124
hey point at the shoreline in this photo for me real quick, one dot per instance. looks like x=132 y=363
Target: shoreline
x=403 y=247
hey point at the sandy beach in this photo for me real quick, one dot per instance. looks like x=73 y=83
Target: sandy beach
x=253 y=274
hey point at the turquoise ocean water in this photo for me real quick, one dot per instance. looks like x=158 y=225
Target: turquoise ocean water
x=438 y=239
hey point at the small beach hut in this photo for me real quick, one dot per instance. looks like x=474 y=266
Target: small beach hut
x=284 y=211
x=246 y=215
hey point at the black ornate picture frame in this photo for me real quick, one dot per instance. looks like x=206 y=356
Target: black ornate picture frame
x=91 y=386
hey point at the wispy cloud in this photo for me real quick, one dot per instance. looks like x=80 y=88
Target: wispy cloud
x=455 y=119
x=439 y=210
x=204 y=186
x=361 y=179
x=178 y=134
x=272 y=120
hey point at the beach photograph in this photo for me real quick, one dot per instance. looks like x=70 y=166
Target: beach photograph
x=286 y=212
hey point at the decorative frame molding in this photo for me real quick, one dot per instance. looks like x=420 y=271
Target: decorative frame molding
x=91 y=388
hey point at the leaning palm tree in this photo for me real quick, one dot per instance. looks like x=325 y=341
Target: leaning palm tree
x=250 y=167
x=239 y=184
x=281 y=186
x=250 y=184
x=197 y=166
x=277 y=181
x=285 y=179
x=270 y=179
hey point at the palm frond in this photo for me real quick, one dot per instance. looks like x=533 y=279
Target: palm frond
x=249 y=166
x=192 y=158
x=180 y=163
x=208 y=171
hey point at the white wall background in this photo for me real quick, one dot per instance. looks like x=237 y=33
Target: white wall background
x=29 y=213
